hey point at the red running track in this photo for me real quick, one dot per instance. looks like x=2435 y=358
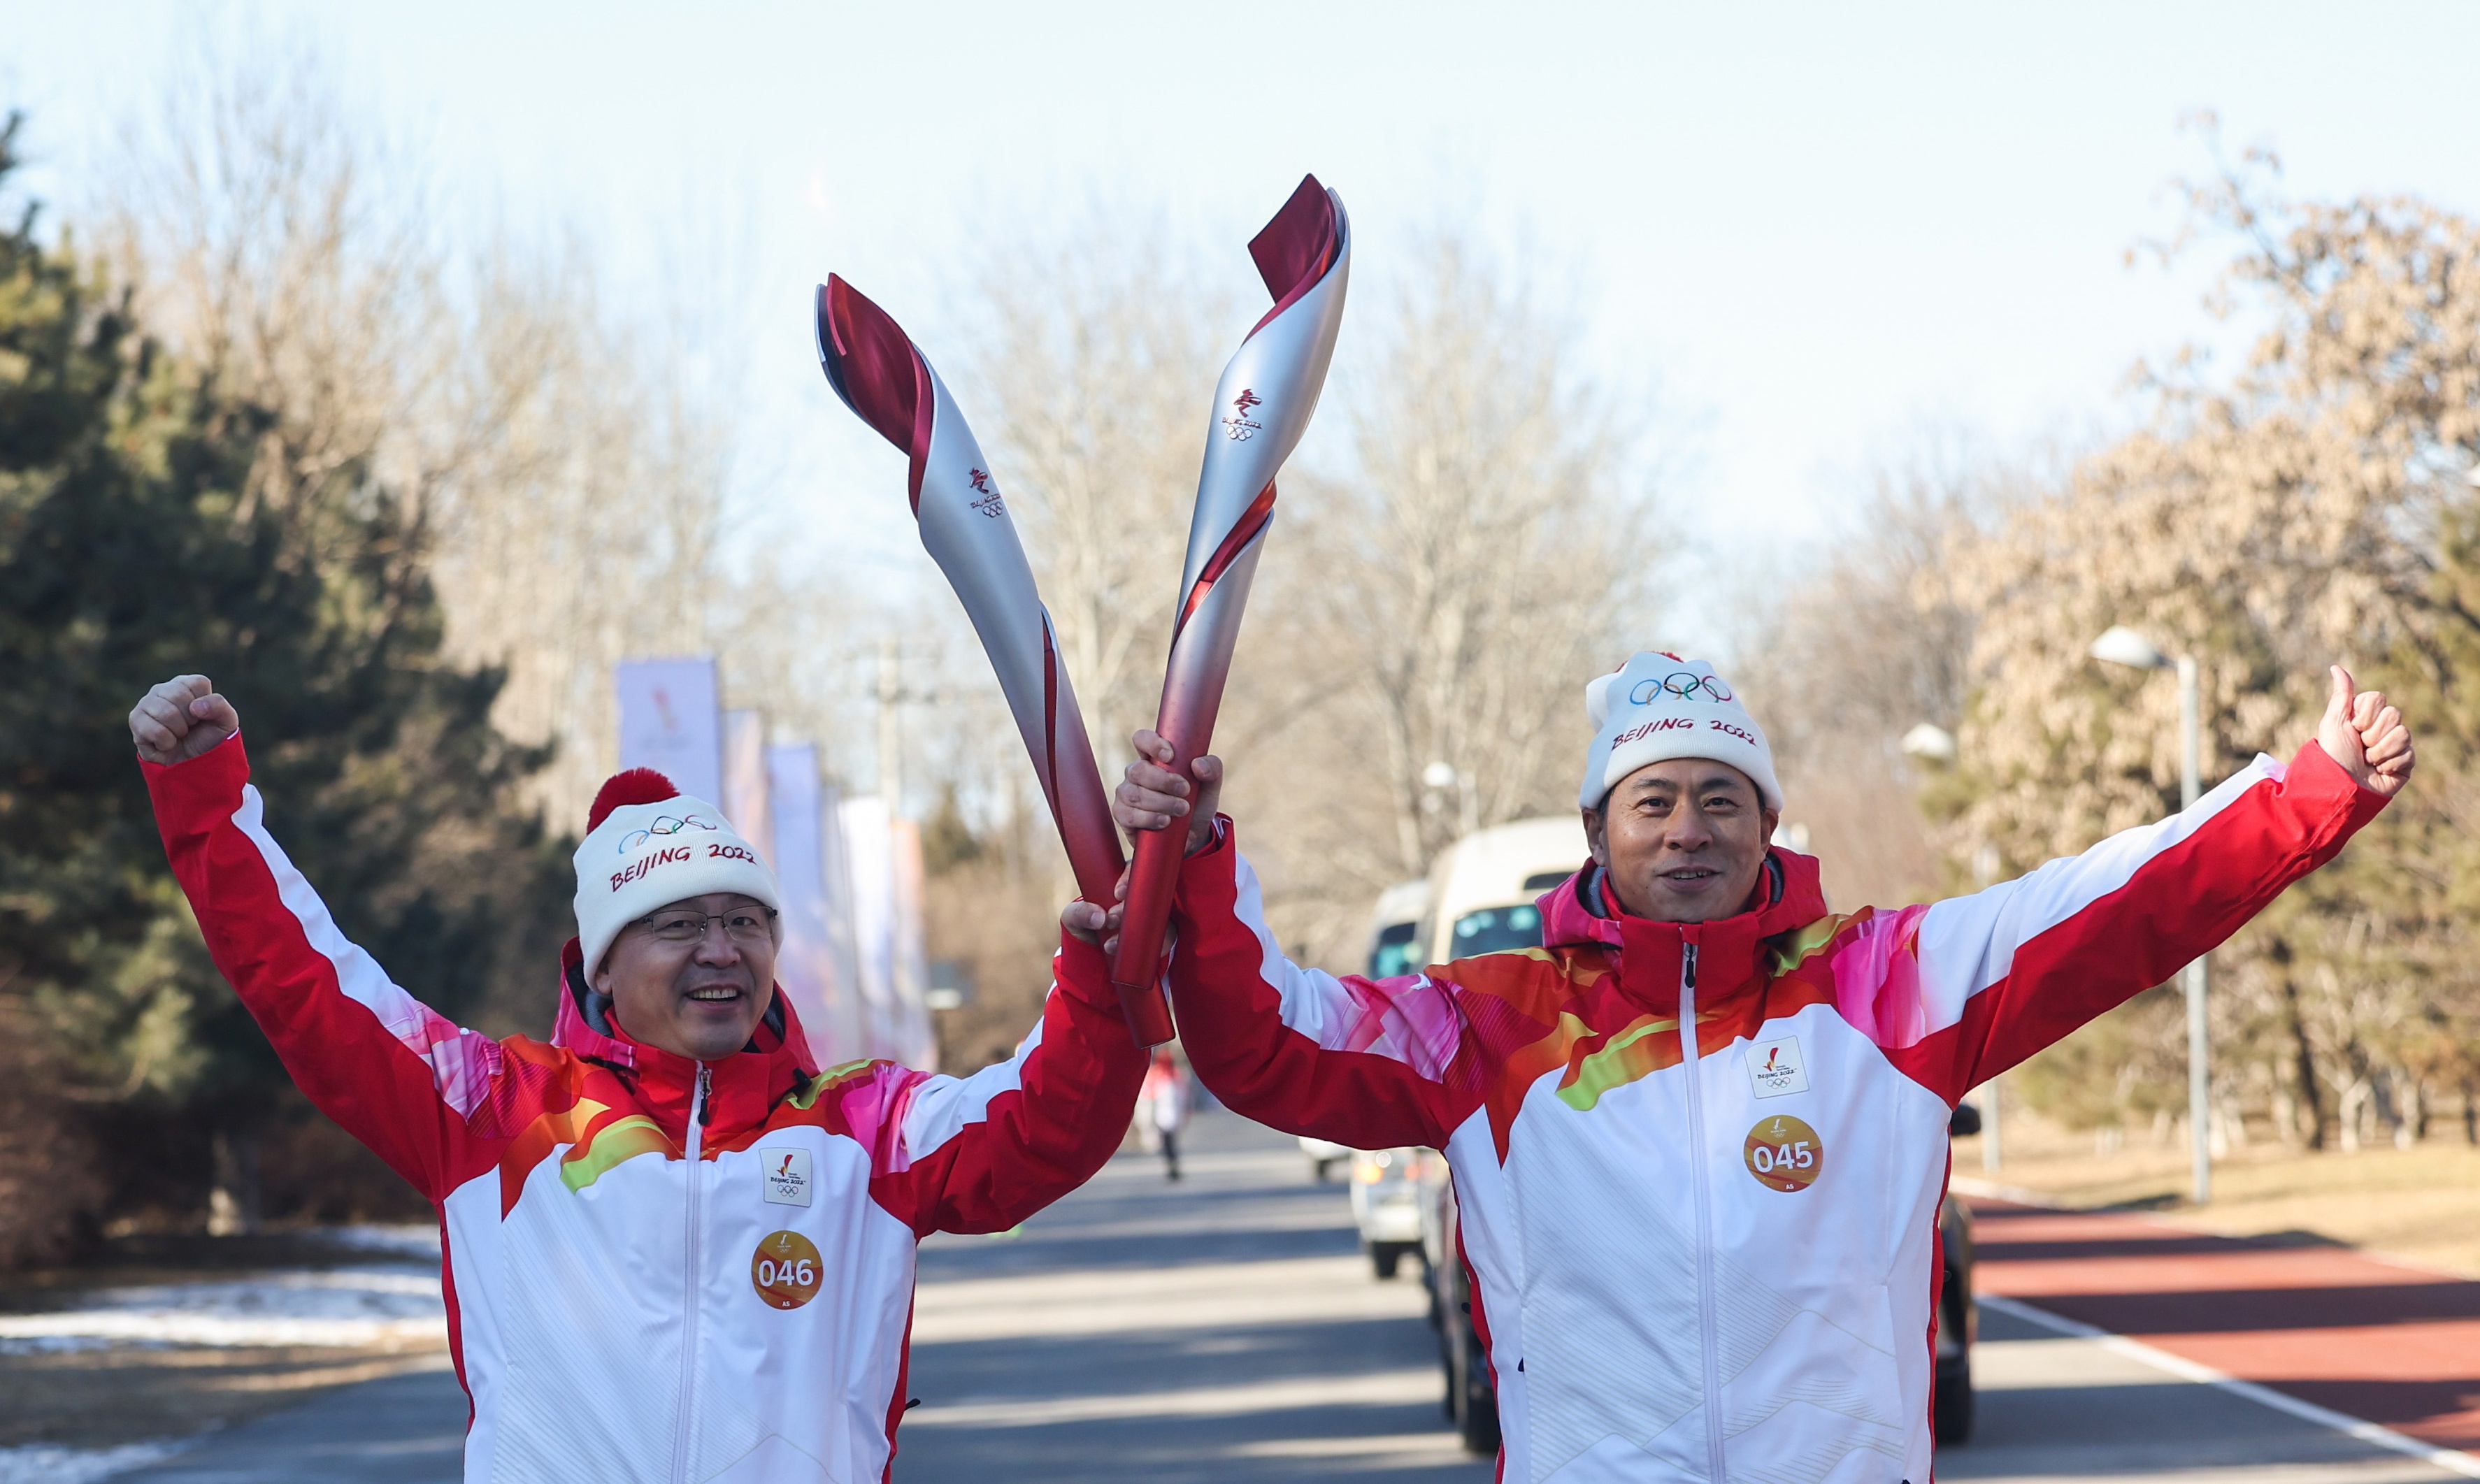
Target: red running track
x=2379 y=1341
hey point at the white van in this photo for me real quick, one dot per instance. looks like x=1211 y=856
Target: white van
x=1395 y=930
x=1478 y=900
x=1482 y=887
x=1394 y=948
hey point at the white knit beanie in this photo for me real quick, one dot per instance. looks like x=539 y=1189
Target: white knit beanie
x=647 y=845
x=1658 y=706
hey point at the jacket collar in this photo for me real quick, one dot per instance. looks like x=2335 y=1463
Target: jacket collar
x=1652 y=956
x=741 y=1089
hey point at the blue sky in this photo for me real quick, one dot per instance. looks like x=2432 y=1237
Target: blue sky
x=1816 y=229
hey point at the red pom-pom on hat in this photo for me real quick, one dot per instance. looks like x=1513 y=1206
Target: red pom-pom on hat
x=637 y=785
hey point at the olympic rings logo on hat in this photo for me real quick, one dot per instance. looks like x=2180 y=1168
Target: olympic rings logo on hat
x=666 y=824
x=1686 y=684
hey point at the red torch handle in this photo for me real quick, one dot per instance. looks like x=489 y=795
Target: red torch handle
x=1091 y=851
x=1200 y=662
x=1136 y=969
x=1148 y=1012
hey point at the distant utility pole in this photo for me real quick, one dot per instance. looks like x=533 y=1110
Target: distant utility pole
x=890 y=731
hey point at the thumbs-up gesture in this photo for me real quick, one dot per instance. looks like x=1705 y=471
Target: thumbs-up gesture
x=2367 y=736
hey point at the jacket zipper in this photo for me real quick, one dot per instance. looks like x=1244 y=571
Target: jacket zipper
x=689 y=1268
x=1709 y=1336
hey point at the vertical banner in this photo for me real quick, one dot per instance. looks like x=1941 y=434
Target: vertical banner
x=869 y=852
x=744 y=800
x=805 y=967
x=669 y=722
x=910 y=958
x=843 y=950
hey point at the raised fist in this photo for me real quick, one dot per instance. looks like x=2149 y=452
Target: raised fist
x=181 y=718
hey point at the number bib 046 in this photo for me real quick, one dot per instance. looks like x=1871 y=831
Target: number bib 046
x=1785 y=1153
x=786 y=1270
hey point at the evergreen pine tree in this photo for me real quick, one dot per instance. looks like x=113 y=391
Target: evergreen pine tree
x=141 y=536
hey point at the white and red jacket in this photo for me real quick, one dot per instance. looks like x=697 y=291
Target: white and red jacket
x=1714 y=1256
x=657 y=1269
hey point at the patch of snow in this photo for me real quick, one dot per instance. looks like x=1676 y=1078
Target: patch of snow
x=57 y=1345
x=407 y=1242
x=46 y=1462
x=351 y=1307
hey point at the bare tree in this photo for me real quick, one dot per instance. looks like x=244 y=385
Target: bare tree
x=1434 y=611
x=283 y=245
x=569 y=469
x=583 y=519
x=1441 y=604
x=1859 y=639
x=1092 y=378
x=2315 y=506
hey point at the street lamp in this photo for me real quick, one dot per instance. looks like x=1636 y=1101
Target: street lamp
x=2124 y=646
x=1441 y=775
x=1929 y=742
x=1932 y=743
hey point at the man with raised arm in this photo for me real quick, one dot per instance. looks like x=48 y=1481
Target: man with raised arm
x=673 y=1250
x=1712 y=1255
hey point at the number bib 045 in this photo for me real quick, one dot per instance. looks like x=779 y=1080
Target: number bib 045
x=1785 y=1153
x=786 y=1270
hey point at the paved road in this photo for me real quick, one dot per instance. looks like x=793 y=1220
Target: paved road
x=2054 y=1408
x=1226 y=1329
x=407 y=1429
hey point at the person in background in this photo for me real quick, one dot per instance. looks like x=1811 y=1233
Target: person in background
x=1162 y=1109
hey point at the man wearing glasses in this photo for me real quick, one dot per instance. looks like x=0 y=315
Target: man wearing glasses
x=673 y=1249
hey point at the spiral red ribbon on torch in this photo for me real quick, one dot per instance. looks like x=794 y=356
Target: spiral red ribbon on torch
x=1304 y=255
x=884 y=380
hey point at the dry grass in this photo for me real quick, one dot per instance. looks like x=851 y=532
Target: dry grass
x=2420 y=1205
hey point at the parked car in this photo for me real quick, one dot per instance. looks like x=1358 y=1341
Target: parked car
x=1325 y=1154
x=1471 y=1400
x=1958 y=1314
x=1482 y=894
x=1394 y=926
x=1389 y=1188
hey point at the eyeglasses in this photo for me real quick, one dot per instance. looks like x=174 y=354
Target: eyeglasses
x=746 y=926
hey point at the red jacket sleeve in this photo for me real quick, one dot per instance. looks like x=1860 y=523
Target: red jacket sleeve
x=982 y=1153
x=395 y=1073
x=1963 y=990
x=1370 y=1064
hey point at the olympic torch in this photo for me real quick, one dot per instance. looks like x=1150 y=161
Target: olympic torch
x=884 y=377
x=1261 y=407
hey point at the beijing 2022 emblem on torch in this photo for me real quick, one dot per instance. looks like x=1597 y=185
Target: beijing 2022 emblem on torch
x=1261 y=407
